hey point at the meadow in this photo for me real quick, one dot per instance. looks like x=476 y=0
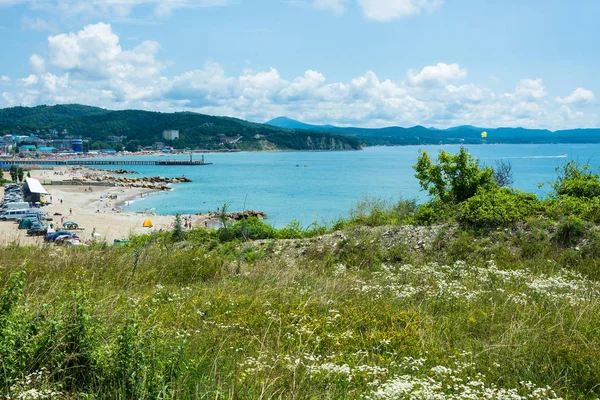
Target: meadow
x=450 y=299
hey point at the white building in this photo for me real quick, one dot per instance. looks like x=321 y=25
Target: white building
x=171 y=135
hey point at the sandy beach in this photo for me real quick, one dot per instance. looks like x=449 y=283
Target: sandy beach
x=92 y=208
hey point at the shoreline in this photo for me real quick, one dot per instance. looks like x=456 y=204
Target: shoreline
x=100 y=210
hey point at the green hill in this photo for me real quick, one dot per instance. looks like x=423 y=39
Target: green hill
x=395 y=135
x=145 y=128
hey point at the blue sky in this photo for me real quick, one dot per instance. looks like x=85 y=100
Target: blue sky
x=439 y=63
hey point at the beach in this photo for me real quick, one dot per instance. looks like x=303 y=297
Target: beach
x=100 y=210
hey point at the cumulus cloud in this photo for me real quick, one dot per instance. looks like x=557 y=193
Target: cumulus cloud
x=388 y=10
x=91 y=66
x=579 y=96
x=436 y=75
x=530 y=89
x=335 y=6
x=38 y=64
x=94 y=53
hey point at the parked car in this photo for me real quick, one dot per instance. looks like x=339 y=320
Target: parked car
x=50 y=237
x=37 y=230
x=14 y=214
x=32 y=216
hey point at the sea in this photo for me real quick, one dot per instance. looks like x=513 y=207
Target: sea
x=320 y=187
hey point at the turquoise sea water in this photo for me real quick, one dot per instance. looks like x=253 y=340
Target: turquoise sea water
x=321 y=186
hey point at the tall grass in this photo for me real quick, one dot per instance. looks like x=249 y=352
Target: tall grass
x=351 y=315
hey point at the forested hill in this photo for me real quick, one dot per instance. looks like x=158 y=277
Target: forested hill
x=145 y=128
x=395 y=135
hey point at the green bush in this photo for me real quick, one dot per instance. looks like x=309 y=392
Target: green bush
x=431 y=213
x=293 y=230
x=585 y=208
x=372 y=211
x=575 y=179
x=570 y=230
x=494 y=208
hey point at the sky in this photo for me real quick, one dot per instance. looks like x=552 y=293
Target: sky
x=369 y=63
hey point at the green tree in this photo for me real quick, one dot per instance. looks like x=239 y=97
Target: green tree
x=455 y=177
x=132 y=145
x=20 y=174
x=178 y=233
x=13 y=173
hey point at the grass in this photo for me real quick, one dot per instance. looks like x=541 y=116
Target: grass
x=361 y=314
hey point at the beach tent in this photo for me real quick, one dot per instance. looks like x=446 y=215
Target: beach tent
x=148 y=223
x=26 y=223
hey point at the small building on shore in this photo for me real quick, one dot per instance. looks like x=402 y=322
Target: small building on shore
x=33 y=190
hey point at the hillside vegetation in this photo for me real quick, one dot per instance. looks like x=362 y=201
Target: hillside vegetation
x=483 y=293
x=145 y=128
x=395 y=135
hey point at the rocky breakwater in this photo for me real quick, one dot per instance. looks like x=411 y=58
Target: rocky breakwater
x=121 y=171
x=148 y=182
x=236 y=215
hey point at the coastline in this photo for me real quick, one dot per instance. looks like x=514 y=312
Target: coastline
x=100 y=210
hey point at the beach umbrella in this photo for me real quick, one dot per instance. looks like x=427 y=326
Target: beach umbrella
x=148 y=223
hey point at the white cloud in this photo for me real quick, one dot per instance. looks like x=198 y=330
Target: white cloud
x=335 y=6
x=436 y=75
x=4 y=78
x=91 y=66
x=37 y=24
x=85 y=10
x=530 y=89
x=579 y=96
x=469 y=92
x=387 y=10
x=38 y=64
x=86 y=50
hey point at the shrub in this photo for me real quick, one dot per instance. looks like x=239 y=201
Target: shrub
x=500 y=207
x=455 y=178
x=570 y=230
x=586 y=208
x=431 y=213
x=372 y=211
x=503 y=173
x=575 y=179
x=293 y=230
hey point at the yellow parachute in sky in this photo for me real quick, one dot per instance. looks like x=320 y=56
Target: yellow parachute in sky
x=483 y=135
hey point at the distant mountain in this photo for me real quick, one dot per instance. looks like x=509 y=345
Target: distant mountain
x=395 y=135
x=145 y=128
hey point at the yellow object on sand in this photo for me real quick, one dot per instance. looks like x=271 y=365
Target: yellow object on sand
x=148 y=223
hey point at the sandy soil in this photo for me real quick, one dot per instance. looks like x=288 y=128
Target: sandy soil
x=103 y=217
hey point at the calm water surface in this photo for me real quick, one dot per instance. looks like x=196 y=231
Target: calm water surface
x=321 y=186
